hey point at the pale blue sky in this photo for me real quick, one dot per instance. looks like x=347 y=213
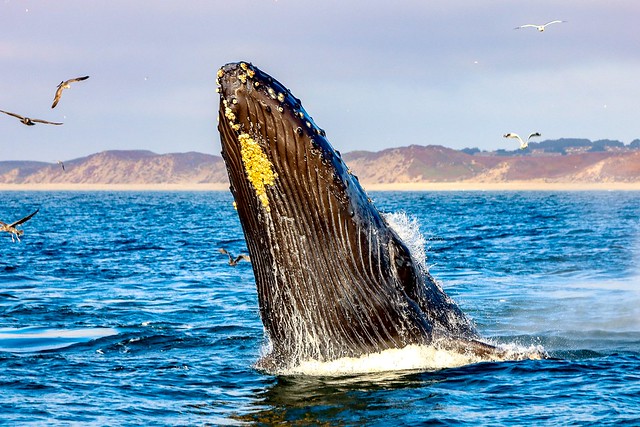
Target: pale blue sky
x=373 y=74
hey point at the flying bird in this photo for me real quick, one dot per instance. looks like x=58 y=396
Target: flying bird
x=523 y=144
x=61 y=164
x=234 y=261
x=11 y=228
x=28 y=121
x=540 y=28
x=65 y=85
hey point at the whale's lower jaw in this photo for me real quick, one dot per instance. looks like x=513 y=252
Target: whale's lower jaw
x=333 y=279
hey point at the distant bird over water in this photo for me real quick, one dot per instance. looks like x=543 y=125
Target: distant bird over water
x=234 y=261
x=65 y=85
x=540 y=28
x=28 y=121
x=523 y=144
x=11 y=228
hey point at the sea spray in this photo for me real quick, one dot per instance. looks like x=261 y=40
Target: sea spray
x=408 y=229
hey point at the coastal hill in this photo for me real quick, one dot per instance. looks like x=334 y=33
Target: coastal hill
x=120 y=167
x=433 y=163
x=559 y=161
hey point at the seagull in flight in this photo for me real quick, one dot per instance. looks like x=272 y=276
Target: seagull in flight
x=11 y=228
x=540 y=28
x=234 y=261
x=523 y=144
x=28 y=121
x=61 y=164
x=65 y=85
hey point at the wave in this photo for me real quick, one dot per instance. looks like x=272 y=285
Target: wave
x=38 y=339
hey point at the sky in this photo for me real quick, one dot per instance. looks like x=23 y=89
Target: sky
x=373 y=74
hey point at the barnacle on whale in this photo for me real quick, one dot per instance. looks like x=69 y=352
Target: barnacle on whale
x=258 y=168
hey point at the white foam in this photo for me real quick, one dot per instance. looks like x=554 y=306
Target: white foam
x=409 y=358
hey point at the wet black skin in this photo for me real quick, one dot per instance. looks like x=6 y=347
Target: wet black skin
x=333 y=278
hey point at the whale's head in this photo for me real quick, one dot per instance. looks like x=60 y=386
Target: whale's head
x=333 y=278
x=275 y=148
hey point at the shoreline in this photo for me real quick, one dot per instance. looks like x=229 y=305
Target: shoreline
x=115 y=187
x=506 y=186
x=419 y=186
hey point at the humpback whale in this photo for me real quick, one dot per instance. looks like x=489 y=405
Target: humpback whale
x=333 y=278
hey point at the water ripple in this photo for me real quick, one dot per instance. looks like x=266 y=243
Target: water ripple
x=145 y=323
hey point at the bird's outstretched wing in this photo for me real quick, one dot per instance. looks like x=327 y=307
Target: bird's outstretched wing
x=512 y=135
x=224 y=251
x=534 y=135
x=3 y=224
x=523 y=144
x=77 y=79
x=12 y=114
x=64 y=85
x=552 y=22
x=57 y=96
x=25 y=219
x=241 y=257
x=46 y=122
x=525 y=26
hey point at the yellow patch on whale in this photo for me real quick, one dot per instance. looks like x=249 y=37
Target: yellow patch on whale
x=258 y=168
x=228 y=113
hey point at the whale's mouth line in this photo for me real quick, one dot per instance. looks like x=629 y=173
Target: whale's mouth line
x=333 y=279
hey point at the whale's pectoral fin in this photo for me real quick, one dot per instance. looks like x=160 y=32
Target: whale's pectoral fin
x=404 y=270
x=432 y=306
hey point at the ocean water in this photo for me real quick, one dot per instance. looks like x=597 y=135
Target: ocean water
x=118 y=309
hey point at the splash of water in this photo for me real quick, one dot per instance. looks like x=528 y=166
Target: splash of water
x=410 y=358
x=408 y=229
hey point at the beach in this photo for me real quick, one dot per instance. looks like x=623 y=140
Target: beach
x=115 y=187
x=412 y=186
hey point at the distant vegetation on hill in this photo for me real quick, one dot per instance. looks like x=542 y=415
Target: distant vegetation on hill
x=562 y=146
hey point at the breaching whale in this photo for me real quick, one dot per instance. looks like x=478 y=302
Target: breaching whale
x=333 y=278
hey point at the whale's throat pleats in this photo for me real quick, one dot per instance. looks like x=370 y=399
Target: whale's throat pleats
x=333 y=279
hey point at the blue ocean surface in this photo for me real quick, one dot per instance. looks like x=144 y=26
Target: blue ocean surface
x=117 y=309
